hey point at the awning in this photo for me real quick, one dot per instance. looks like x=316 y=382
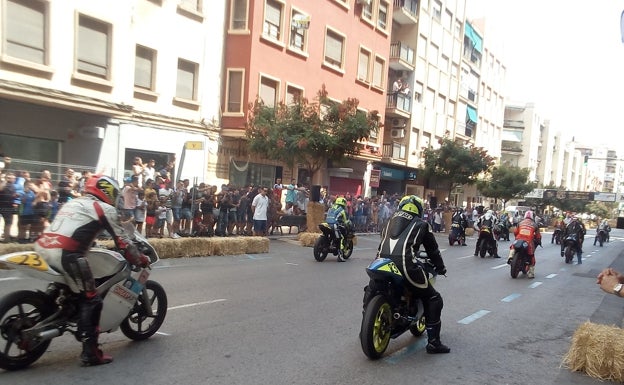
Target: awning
x=512 y=136
x=471 y=114
x=477 y=41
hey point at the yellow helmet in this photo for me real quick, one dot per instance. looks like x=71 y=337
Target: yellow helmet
x=341 y=201
x=412 y=204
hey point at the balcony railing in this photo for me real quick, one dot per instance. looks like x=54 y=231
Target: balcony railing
x=399 y=101
x=405 y=11
x=402 y=52
x=394 y=150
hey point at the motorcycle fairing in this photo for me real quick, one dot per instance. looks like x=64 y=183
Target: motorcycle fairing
x=385 y=267
x=520 y=244
x=31 y=264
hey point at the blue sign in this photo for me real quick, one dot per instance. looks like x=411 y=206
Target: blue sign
x=392 y=173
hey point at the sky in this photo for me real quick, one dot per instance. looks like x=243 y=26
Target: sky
x=566 y=57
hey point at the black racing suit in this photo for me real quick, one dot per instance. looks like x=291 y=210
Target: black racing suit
x=400 y=239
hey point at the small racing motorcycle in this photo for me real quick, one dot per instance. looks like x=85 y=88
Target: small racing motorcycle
x=455 y=235
x=501 y=231
x=328 y=243
x=487 y=242
x=570 y=247
x=30 y=319
x=389 y=307
x=601 y=237
x=521 y=261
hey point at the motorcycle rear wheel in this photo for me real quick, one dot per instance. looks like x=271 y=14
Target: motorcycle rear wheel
x=483 y=249
x=139 y=325
x=321 y=247
x=19 y=311
x=376 y=327
x=516 y=266
x=568 y=253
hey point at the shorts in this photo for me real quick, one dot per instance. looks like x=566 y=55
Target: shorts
x=160 y=222
x=150 y=220
x=176 y=213
x=185 y=213
x=29 y=219
x=260 y=225
x=7 y=214
x=127 y=214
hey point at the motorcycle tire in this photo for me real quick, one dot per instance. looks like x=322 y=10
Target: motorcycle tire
x=601 y=241
x=376 y=327
x=516 y=266
x=139 y=325
x=19 y=311
x=568 y=253
x=348 y=248
x=419 y=327
x=483 y=249
x=321 y=248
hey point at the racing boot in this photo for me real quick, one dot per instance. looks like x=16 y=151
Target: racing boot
x=92 y=354
x=511 y=254
x=341 y=252
x=434 y=345
x=531 y=273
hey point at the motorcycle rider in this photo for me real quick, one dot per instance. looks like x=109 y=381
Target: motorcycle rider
x=487 y=220
x=460 y=218
x=67 y=240
x=400 y=240
x=337 y=218
x=527 y=230
x=604 y=225
x=575 y=226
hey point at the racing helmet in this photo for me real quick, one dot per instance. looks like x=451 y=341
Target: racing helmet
x=529 y=215
x=412 y=204
x=103 y=188
x=489 y=214
x=341 y=201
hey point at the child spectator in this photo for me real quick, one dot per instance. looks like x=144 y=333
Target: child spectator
x=140 y=212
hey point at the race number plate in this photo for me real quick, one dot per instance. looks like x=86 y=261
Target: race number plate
x=33 y=260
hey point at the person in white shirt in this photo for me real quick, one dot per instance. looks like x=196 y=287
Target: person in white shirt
x=260 y=207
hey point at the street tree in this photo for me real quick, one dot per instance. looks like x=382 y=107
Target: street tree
x=309 y=132
x=506 y=182
x=456 y=163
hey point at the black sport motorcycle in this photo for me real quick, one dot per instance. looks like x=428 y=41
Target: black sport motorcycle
x=389 y=307
x=487 y=243
x=570 y=247
x=456 y=235
x=556 y=237
x=328 y=243
x=501 y=231
x=601 y=237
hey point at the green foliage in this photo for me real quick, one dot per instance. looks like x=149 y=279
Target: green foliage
x=456 y=163
x=310 y=133
x=600 y=209
x=506 y=182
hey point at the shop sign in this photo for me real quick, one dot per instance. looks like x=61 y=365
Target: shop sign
x=375 y=178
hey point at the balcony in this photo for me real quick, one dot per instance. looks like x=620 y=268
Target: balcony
x=405 y=11
x=401 y=57
x=394 y=152
x=398 y=105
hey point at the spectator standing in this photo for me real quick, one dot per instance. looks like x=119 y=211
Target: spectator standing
x=177 y=198
x=137 y=170
x=277 y=190
x=86 y=175
x=260 y=207
x=27 y=217
x=151 y=207
x=186 y=215
x=67 y=187
x=149 y=171
x=437 y=221
x=291 y=194
x=8 y=207
x=140 y=212
x=129 y=193
x=233 y=212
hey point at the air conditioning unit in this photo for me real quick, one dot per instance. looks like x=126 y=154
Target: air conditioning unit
x=398 y=123
x=398 y=133
x=365 y=2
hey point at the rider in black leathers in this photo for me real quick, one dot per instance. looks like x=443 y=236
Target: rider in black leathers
x=460 y=218
x=400 y=239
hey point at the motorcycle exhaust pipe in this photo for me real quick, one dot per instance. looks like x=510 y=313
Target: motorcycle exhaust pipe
x=49 y=334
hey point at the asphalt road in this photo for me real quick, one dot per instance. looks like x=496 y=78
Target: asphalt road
x=283 y=318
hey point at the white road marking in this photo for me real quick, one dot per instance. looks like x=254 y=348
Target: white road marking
x=290 y=263
x=551 y=275
x=534 y=285
x=511 y=297
x=197 y=304
x=499 y=266
x=9 y=278
x=473 y=317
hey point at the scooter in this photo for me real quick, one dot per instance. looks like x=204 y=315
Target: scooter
x=30 y=319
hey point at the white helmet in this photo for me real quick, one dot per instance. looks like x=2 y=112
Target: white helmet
x=529 y=215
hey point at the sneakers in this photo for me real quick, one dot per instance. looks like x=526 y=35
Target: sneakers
x=175 y=236
x=437 y=347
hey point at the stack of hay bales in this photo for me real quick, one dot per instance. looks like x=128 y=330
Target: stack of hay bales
x=597 y=350
x=315 y=215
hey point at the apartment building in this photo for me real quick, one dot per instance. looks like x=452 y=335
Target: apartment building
x=92 y=84
x=277 y=49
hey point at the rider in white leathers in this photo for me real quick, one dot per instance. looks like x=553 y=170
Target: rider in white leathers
x=65 y=243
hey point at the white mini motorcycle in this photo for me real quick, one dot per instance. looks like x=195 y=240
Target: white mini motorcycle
x=29 y=319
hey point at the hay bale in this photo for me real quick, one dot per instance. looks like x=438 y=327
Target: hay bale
x=597 y=350
x=308 y=239
x=315 y=215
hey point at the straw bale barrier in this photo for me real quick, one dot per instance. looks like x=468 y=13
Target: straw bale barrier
x=597 y=351
x=308 y=239
x=183 y=247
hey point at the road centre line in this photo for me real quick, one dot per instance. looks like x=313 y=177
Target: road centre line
x=551 y=275
x=499 y=266
x=534 y=285
x=196 y=304
x=473 y=317
x=511 y=297
x=406 y=351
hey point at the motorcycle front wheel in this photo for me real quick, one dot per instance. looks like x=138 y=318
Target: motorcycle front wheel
x=348 y=248
x=140 y=325
x=321 y=247
x=376 y=327
x=20 y=311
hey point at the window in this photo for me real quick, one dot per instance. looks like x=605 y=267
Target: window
x=434 y=51
x=334 y=49
x=378 y=72
x=367 y=11
x=268 y=91
x=273 y=20
x=144 y=68
x=437 y=10
x=234 y=87
x=447 y=21
x=293 y=94
x=382 y=16
x=298 y=36
x=364 y=61
x=93 y=47
x=186 y=86
x=192 y=5
x=25 y=30
x=238 y=15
